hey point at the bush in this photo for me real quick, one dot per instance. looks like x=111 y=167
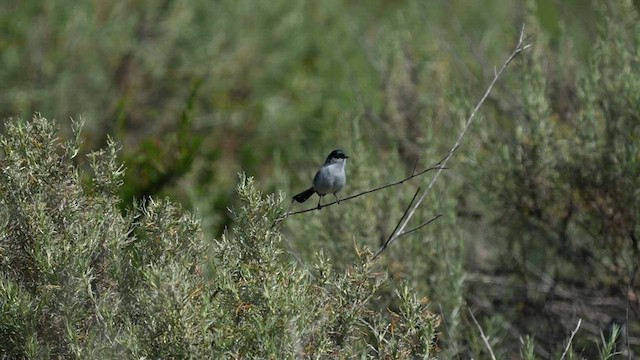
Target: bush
x=540 y=204
x=80 y=280
x=564 y=186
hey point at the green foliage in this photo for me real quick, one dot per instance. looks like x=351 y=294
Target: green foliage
x=58 y=243
x=540 y=203
x=270 y=307
x=79 y=280
x=564 y=179
x=527 y=351
x=608 y=350
x=158 y=163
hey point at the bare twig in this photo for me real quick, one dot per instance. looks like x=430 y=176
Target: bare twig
x=520 y=47
x=485 y=339
x=573 y=333
x=384 y=246
x=418 y=227
x=393 y=238
x=415 y=165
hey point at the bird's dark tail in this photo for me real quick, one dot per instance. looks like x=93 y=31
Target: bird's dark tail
x=303 y=196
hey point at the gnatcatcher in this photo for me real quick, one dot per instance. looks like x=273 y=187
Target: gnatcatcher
x=329 y=179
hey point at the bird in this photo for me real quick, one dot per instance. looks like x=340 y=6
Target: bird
x=329 y=179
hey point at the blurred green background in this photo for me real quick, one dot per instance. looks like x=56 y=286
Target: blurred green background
x=261 y=86
x=541 y=216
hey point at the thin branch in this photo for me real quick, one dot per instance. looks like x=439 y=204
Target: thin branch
x=384 y=246
x=520 y=47
x=415 y=166
x=485 y=339
x=393 y=238
x=436 y=166
x=573 y=333
x=418 y=227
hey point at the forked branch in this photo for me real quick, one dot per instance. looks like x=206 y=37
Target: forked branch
x=404 y=220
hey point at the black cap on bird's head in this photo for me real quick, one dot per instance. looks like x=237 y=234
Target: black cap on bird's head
x=337 y=154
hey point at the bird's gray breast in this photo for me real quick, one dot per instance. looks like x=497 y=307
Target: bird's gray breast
x=330 y=179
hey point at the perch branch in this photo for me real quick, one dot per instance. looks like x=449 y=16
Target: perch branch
x=436 y=166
